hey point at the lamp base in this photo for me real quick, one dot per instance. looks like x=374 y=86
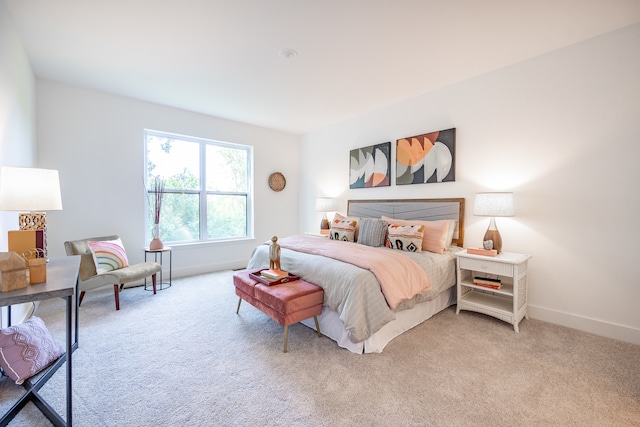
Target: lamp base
x=493 y=235
x=324 y=225
x=34 y=221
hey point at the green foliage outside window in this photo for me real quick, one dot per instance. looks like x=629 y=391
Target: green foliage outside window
x=183 y=163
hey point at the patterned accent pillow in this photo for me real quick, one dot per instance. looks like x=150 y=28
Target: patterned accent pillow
x=435 y=232
x=338 y=216
x=109 y=255
x=405 y=237
x=342 y=230
x=373 y=232
x=27 y=349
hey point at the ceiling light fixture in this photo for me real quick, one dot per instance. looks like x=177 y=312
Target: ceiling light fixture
x=288 y=53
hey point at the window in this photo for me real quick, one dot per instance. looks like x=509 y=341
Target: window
x=207 y=191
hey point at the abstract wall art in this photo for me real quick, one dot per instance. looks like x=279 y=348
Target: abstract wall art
x=370 y=166
x=426 y=158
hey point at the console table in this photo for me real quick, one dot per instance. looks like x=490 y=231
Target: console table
x=62 y=282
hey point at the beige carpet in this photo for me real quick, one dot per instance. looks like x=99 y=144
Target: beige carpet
x=184 y=358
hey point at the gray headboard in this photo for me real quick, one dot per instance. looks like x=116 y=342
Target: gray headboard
x=422 y=209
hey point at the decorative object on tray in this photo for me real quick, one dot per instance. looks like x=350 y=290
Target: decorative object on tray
x=277 y=181
x=268 y=278
x=274 y=274
x=13 y=272
x=274 y=254
x=324 y=205
x=480 y=251
x=30 y=190
x=493 y=205
x=370 y=166
x=156 y=207
x=426 y=158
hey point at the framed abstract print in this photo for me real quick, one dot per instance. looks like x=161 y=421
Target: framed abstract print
x=426 y=158
x=370 y=166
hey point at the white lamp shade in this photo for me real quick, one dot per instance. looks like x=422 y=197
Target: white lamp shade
x=494 y=204
x=326 y=204
x=29 y=189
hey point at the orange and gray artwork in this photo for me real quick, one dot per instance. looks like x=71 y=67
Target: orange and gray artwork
x=370 y=166
x=426 y=158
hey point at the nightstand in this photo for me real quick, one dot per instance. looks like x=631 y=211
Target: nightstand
x=509 y=302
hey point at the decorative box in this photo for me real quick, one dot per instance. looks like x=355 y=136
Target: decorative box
x=13 y=272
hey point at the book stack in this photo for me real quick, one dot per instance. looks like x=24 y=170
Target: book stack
x=273 y=275
x=487 y=282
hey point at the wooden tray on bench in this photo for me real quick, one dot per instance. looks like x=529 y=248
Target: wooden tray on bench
x=256 y=276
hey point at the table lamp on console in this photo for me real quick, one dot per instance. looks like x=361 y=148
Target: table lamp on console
x=493 y=205
x=31 y=191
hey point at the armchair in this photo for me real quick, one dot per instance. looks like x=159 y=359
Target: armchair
x=90 y=279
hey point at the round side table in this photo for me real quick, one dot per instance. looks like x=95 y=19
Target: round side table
x=158 y=254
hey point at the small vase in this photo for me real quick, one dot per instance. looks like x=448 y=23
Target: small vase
x=156 y=244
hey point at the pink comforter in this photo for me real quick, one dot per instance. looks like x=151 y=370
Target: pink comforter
x=399 y=276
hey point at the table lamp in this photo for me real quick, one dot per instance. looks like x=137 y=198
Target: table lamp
x=33 y=190
x=324 y=205
x=493 y=205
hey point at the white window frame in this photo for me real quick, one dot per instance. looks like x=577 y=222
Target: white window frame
x=202 y=191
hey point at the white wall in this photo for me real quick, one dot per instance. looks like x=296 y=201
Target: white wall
x=562 y=132
x=96 y=142
x=17 y=117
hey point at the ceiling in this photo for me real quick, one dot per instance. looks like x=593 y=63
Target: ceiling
x=221 y=57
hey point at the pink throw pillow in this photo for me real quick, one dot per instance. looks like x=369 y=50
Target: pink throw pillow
x=434 y=238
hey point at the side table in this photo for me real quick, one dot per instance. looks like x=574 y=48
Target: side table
x=62 y=282
x=509 y=302
x=158 y=255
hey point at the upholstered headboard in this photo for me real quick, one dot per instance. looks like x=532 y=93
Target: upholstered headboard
x=422 y=209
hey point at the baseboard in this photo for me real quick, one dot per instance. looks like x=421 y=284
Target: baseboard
x=208 y=268
x=586 y=324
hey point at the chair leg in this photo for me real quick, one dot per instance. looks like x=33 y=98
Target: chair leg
x=80 y=299
x=238 y=309
x=117 y=295
x=153 y=279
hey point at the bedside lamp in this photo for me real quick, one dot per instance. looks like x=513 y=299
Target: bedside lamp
x=324 y=205
x=33 y=190
x=493 y=205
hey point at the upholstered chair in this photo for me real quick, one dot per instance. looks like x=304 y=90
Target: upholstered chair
x=90 y=279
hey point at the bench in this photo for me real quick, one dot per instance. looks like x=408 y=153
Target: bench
x=286 y=303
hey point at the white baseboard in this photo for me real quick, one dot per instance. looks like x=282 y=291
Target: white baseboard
x=207 y=268
x=586 y=324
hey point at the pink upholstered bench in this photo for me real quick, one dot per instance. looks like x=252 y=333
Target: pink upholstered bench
x=286 y=303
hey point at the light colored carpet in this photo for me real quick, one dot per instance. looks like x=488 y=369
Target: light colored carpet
x=183 y=357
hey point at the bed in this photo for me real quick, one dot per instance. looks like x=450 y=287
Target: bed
x=359 y=312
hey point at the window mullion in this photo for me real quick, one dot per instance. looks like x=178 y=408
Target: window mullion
x=203 y=191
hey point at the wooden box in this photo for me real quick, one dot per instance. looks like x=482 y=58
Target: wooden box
x=37 y=270
x=13 y=272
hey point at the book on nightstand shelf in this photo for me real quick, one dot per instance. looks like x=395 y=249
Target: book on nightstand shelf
x=487 y=282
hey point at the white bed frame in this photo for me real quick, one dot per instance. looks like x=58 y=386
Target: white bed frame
x=422 y=209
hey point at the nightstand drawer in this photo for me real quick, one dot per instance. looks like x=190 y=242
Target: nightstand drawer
x=488 y=266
